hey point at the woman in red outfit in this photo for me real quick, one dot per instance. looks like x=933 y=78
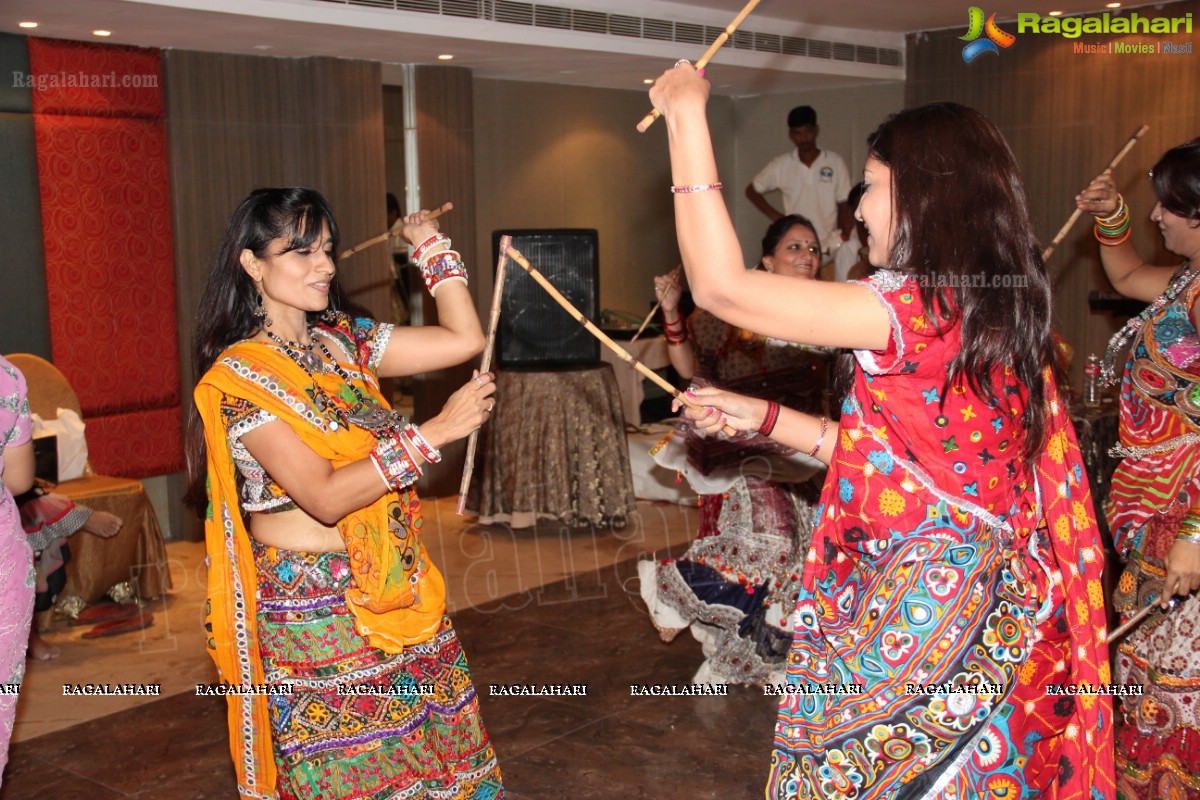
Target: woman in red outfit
x=954 y=578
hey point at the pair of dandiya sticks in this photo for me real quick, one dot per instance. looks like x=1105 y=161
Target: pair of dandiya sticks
x=507 y=251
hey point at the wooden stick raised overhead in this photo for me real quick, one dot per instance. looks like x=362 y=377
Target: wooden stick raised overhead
x=1065 y=229
x=648 y=120
x=485 y=364
x=395 y=231
x=670 y=285
x=603 y=337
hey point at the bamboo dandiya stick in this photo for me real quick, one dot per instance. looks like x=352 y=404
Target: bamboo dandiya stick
x=603 y=337
x=648 y=120
x=485 y=364
x=653 y=311
x=1136 y=619
x=395 y=230
x=1062 y=232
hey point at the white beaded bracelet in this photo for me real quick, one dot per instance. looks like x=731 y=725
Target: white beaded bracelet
x=699 y=187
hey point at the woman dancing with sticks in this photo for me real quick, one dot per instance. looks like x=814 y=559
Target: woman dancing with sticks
x=736 y=585
x=1153 y=509
x=320 y=588
x=955 y=567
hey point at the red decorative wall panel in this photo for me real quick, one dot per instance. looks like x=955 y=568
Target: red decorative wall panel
x=106 y=223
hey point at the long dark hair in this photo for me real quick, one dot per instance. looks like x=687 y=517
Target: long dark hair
x=226 y=311
x=1176 y=180
x=962 y=227
x=779 y=228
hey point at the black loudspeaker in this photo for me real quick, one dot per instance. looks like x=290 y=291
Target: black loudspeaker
x=535 y=332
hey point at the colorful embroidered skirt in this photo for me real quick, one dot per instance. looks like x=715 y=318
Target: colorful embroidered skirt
x=48 y=520
x=736 y=587
x=361 y=723
x=868 y=714
x=1158 y=734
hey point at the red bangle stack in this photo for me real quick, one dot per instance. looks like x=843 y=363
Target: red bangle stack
x=675 y=332
x=422 y=445
x=769 y=420
x=420 y=250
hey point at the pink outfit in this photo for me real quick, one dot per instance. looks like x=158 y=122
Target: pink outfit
x=16 y=559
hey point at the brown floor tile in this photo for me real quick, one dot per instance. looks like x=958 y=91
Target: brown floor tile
x=590 y=629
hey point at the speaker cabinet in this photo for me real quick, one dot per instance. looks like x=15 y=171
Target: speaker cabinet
x=535 y=332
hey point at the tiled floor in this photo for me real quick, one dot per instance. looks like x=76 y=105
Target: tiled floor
x=531 y=607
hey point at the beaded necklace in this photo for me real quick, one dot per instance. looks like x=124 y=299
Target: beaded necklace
x=1119 y=343
x=365 y=413
x=301 y=353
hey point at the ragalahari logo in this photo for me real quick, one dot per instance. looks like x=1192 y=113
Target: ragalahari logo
x=995 y=38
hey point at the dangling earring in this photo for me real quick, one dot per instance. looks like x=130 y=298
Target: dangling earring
x=330 y=316
x=260 y=312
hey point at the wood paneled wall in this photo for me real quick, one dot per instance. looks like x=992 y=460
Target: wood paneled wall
x=446 y=170
x=237 y=123
x=1065 y=114
x=24 y=307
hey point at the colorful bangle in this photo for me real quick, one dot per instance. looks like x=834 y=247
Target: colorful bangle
x=699 y=187
x=1114 y=229
x=424 y=246
x=427 y=256
x=1114 y=217
x=394 y=462
x=441 y=267
x=1189 y=529
x=427 y=451
x=770 y=418
x=1110 y=241
x=379 y=470
x=820 y=439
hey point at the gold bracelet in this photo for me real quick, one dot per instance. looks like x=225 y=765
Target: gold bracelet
x=1190 y=536
x=1115 y=216
x=1189 y=529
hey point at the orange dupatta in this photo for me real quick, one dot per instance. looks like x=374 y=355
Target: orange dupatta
x=399 y=596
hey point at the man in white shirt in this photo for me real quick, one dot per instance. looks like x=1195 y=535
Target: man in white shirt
x=813 y=182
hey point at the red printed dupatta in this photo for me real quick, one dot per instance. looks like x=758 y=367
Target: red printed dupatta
x=1070 y=520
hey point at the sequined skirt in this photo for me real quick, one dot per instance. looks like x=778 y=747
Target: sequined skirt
x=359 y=722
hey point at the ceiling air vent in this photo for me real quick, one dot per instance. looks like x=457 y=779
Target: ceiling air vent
x=423 y=6
x=660 y=30
x=689 y=33
x=622 y=25
x=741 y=40
x=471 y=9
x=590 y=22
x=768 y=43
x=551 y=17
x=819 y=49
x=512 y=13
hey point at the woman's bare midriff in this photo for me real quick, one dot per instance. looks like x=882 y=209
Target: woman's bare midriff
x=295 y=530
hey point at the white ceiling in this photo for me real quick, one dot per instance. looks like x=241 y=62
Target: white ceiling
x=515 y=52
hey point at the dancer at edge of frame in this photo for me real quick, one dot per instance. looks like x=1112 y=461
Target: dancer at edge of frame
x=955 y=572
x=736 y=586
x=1153 y=508
x=320 y=587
